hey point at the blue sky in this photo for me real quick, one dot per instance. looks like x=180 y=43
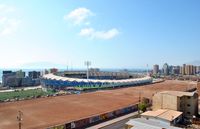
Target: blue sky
x=109 y=33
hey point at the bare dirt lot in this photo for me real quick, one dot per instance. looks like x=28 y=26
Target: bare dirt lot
x=45 y=112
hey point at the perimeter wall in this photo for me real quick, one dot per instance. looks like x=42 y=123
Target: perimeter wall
x=92 y=120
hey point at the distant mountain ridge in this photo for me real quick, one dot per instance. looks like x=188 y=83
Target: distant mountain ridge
x=42 y=65
x=196 y=62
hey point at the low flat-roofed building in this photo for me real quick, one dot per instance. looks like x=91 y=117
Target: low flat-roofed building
x=186 y=102
x=165 y=115
x=142 y=123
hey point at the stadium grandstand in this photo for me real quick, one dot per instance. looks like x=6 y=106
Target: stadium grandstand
x=97 y=79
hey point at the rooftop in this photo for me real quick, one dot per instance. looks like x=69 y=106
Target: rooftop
x=153 y=113
x=141 y=123
x=164 y=114
x=60 y=78
x=178 y=93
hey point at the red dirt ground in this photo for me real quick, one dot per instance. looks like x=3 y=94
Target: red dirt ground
x=45 y=112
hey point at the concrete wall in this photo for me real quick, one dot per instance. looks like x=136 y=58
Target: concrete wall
x=169 y=102
x=82 y=123
x=165 y=101
x=157 y=102
x=189 y=105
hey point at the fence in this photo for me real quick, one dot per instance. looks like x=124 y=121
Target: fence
x=92 y=120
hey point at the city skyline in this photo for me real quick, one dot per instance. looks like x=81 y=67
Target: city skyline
x=110 y=34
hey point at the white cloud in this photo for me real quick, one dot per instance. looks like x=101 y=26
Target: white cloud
x=87 y=32
x=79 y=16
x=93 y=34
x=9 y=26
x=6 y=9
x=3 y=20
x=8 y=22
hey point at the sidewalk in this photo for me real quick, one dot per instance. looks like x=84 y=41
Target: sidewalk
x=101 y=125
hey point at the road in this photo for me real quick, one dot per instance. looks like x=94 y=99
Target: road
x=117 y=123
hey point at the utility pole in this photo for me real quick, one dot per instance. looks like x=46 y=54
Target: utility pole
x=87 y=63
x=139 y=102
x=19 y=118
x=139 y=96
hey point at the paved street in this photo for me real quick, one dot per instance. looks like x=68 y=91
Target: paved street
x=117 y=123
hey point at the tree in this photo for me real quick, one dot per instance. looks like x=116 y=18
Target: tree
x=145 y=100
x=142 y=106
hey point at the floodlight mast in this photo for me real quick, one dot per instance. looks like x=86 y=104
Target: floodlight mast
x=147 y=70
x=87 y=63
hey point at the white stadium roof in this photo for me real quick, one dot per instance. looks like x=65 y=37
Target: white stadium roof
x=59 y=78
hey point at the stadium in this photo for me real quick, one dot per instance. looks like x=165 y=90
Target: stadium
x=76 y=111
x=96 y=79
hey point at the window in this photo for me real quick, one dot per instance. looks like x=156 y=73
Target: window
x=188 y=113
x=188 y=97
x=188 y=105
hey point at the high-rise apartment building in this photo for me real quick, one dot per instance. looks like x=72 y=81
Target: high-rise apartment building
x=34 y=74
x=189 y=70
x=198 y=69
x=183 y=69
x=194 y=70
x=166 y=69
x=20 y=74
x=176 y=70
x=53 y=70
x=155 y=69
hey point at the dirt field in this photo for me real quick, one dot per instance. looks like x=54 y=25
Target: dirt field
x=44 y=112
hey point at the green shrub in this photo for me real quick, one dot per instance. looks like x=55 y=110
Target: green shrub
x=142 y=106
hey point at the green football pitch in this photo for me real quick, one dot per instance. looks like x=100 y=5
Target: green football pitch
x=24 y=94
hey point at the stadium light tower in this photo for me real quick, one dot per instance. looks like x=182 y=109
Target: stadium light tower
x=87 y=63
x=147 y=70
x=67 y=66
